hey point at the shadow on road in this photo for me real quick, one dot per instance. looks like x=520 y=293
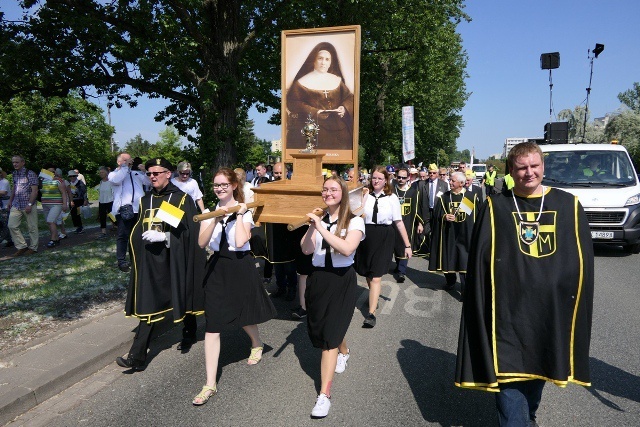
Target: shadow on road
x=614 y=381
x=308 y=356
x=430 y=374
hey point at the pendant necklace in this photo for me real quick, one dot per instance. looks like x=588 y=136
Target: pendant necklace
x=529 y=230
x=403 y=194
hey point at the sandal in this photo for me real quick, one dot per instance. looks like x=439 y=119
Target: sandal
x=53 y=243
x=205 y=394
x=256 y=356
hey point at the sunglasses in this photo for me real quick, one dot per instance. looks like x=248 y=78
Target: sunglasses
x=156 y=173
x=185 y=173
x=403 y=177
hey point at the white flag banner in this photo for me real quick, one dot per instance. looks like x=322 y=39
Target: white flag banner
x=408 y=141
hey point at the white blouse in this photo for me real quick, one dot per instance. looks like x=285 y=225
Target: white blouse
x=388 y=209
x=214 y=242
x=190 y=187
x=337 y=259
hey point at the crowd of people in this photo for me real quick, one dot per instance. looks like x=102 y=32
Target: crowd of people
x=523 y=255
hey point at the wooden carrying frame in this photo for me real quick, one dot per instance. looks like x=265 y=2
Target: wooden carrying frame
x=288 y=201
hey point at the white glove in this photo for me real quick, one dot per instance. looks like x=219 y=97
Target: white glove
x=154 y=236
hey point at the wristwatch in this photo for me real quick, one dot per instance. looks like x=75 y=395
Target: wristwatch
x=29 y=204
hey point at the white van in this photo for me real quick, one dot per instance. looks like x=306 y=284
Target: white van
x=478 y=169
x=603 y=178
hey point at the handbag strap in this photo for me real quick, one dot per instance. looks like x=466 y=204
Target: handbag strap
x=133 y=188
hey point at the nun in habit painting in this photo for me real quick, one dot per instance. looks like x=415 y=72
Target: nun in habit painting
x=319 y=89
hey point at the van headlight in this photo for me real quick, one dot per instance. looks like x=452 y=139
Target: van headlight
x=633 y=200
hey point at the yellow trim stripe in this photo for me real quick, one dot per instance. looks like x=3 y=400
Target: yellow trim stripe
x=579 y=293
x=493 y=287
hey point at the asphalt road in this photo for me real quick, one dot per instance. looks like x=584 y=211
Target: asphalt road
x=400 y=373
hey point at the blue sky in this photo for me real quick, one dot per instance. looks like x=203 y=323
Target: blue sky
x=509 y=92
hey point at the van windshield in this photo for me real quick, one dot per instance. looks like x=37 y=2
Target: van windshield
x=479 y=168
x=594 y=168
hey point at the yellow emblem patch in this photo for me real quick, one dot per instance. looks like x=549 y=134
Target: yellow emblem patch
x=536 y=239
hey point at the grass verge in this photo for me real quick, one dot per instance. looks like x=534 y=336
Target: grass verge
x=56 y=287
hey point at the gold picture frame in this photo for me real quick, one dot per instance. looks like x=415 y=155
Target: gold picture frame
x=329 y=93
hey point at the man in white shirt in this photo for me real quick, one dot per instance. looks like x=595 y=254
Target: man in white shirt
x=127 y=191
x=261 y=171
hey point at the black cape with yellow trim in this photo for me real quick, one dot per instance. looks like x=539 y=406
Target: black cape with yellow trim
x=528 y=300
x=451 y=240
x=411 y=210
x=165 y=279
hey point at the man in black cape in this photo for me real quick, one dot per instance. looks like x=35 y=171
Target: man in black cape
x=168 y=265
x=453 y=218
x=411 y=207
x=526 y=316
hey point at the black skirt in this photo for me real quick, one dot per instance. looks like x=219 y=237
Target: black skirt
x=234 y=295
x=373 y=256
x=331 y=298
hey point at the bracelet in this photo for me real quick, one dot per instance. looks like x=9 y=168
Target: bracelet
x=407 y=247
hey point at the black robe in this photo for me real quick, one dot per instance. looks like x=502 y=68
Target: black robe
x=527 y=307
x=451 y=240
x=412 y=215
x=166 y=279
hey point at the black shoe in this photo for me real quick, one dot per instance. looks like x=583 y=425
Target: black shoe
x=125 y=267
x=400 y=278
x=130 y=363
x=369 y=321
x=291 y=295
x=279 y=293
x=299 y=314
x=79 y=230
x=8 y=244
x=186 y=343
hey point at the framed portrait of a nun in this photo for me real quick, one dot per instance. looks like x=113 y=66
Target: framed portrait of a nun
x=321 y=80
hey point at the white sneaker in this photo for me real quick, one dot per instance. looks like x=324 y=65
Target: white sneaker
x=322 y=406
x=342 y=362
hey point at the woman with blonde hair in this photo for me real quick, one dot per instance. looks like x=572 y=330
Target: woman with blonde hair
x=331 y=290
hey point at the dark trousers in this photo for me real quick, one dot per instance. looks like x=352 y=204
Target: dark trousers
x=451 y=279
x=76 y=213
x=103 y=211
x=144 y=330
x=268 y=270
x=286 y=276
x=488 y=190
x=401 y=265
x=122 y=240
x=518 y=402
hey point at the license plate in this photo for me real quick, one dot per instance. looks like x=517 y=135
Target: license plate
x=602 y=234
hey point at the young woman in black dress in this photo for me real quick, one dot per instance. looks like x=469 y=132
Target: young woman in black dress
x=234 y=296
x=382 y=211
x=332 y=286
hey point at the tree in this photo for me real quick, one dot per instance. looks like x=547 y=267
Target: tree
x=137 y=147
x=625 y=127
x=66 y=131
x=168 y=146
x=631 y=98
x=576 y=118
x=214 y=59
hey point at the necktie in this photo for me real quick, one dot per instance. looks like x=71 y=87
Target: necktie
x=374 y=217
x=432 y=191
x=223 y=238
x=328 y=262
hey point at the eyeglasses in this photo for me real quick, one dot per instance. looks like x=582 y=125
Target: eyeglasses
x=222 y=186
x=432 y=173
x=403 y=177
x=185 y=173
x=330 y=191
x=156 y=173
x=443 y=174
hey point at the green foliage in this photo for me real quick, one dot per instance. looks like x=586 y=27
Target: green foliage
x=577 y=130
x=625 y=127
x=66 y=131
x=214 y=60
x=631 y=98
x=168 y=146
x=137 y=147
